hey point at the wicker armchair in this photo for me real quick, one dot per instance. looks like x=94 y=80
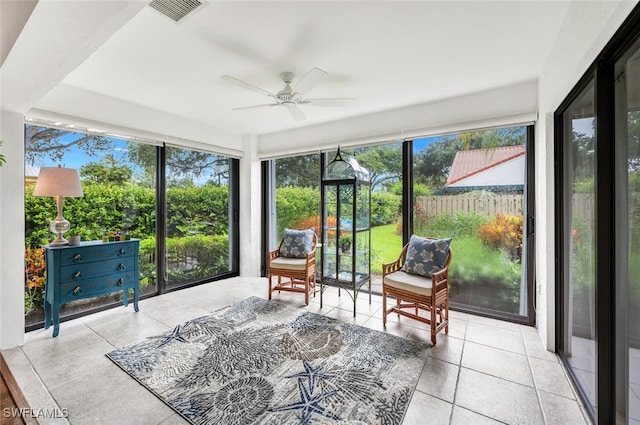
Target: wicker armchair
x=293 y=274
x=414 y=293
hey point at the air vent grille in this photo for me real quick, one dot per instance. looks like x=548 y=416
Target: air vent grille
x=175 y=9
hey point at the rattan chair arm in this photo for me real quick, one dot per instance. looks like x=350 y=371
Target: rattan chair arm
x=440 y=279
x=274 y=254
x=395 y=265
x=391 y=267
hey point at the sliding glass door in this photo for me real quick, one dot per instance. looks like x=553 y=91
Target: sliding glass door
x=473 y=187
x=579 y=345
x=598 y=231
x=627 y=129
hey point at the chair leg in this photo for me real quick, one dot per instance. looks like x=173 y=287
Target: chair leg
x=433 y=324
x=384 y=308
x=307 y=285
x=446 y=309
x=269 y=283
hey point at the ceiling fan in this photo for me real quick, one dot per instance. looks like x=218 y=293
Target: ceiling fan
x=290 y=97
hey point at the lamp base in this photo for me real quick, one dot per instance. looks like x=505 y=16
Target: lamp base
x=59 y=227
x=59 y=241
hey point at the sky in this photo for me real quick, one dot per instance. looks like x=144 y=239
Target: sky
x=420 y=144
x=74 y=157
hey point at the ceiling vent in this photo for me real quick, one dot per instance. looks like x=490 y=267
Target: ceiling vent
x=175 y=9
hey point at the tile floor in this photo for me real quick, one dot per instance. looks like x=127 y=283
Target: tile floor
x=484 y=372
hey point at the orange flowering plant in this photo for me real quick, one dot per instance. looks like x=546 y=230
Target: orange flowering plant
x=504 y=232
x=34 y=276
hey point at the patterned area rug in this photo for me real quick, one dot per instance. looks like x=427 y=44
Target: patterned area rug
x=261 y=362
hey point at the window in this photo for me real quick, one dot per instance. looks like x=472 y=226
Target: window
x=186 y=209
x=297 y=195
x=118 y=182
x=198 y=217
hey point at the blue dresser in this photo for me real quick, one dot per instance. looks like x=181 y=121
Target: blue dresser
x=88 y=270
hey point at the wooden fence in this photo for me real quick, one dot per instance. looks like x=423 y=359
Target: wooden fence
x=494 y=204
x=489 y=205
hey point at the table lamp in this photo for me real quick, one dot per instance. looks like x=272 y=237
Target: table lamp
x=58 y=182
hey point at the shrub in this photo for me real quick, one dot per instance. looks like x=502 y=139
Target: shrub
x=295 y=204
x=492 y=281
x=385 y=208
x=504 y=232
x=197 y=256
x=457 y=225
x=131 y=208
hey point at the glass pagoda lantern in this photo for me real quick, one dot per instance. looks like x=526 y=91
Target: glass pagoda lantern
x=346 y=220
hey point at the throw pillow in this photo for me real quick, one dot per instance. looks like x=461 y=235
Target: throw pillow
x=426 y=256
x=297 y=243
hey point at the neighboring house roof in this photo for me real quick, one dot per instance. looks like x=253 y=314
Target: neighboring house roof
x=31 y=173
x=502 y=166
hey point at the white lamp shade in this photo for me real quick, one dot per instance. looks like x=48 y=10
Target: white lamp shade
x=58 y=181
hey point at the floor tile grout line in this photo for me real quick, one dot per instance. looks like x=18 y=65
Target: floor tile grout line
x=535 y=383
x=455 y=393
x=41 y=381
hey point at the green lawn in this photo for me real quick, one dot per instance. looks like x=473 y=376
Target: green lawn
x=385 y=246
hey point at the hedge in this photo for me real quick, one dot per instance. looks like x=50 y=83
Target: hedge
x=202 y=210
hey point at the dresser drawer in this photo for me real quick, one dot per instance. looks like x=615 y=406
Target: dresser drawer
x=77 y=272
x=98 y=252
x=88 y=288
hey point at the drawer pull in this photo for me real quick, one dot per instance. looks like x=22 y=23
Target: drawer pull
x=121 y=252
x=121 y=267
x=120 y=282
x=77 y=257
x=77 y=290
x=77 y=274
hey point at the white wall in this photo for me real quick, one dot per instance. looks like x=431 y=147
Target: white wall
x=250 y=209
x=12 y=231
x=588 y=27
x=506 y=174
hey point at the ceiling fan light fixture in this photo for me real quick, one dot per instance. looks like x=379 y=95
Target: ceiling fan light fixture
x=288 y=97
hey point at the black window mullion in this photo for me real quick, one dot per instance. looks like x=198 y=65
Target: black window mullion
x=266 y=214
x=407 y=191
x=530 y=224
x=161 y=219
x=605 y=241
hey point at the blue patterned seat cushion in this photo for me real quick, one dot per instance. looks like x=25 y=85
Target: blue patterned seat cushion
x=426 y=256
x=297 y=243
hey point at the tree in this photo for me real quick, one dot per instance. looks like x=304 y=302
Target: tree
x=106 y=172
x=432 y=164
x=298 y=171
x=183 y=164
x=53 y=143
x=384 y=163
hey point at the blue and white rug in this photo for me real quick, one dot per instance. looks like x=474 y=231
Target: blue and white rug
x=261 y=362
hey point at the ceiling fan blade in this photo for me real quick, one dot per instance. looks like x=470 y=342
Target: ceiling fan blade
x=254 y=106
x=328 y=101
x=310 y=80
x=296 y=113
x=247 y=85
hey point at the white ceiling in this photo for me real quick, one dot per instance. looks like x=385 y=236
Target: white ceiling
x=385 y=54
